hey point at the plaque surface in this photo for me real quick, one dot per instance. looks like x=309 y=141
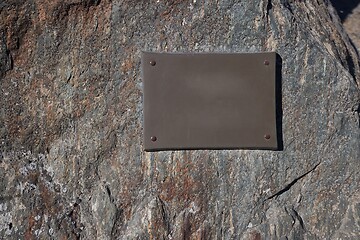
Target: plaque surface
x=209 y=101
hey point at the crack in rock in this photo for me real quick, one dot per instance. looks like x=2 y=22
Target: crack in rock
x=288 y=186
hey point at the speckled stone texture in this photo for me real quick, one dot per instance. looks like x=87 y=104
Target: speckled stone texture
x=352 y=26
x=72 y=164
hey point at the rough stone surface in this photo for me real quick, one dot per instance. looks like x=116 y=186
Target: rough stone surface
x=352 y=26
x=72 y=164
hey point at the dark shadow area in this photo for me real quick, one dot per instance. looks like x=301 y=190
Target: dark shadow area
x=344 y=7
x=356 y=110
x=279 y=111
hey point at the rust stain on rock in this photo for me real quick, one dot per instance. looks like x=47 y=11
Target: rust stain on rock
x=180 y=186
x=127 y=65
x=31 y=223
x=254 y=235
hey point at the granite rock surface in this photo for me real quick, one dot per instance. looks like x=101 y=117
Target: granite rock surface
x=352 y=26
x=72 y=164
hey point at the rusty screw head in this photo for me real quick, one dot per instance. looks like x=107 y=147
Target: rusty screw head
x=266 y=62
x=152 y=63
x=153 y=138
x=267 y=136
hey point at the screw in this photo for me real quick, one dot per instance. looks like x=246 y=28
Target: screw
x=153 y=138
x=267 y=136
x=152 y=63
x=266 y=62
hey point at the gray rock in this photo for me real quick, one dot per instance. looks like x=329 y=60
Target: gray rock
x=72 y=162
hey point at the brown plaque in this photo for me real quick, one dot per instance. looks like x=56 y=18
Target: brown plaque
x=209 y=101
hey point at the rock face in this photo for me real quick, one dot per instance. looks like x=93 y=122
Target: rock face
x=352 y=26
x=72 y=163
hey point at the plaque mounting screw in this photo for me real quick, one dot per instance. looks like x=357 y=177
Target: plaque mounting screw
x=152 y=63
x=153 y=138
x=267 y=136
x=266 y=62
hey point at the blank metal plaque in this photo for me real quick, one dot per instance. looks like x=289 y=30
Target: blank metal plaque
x=209 y=101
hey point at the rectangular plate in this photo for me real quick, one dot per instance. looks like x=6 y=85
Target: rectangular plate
x=209 y=101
